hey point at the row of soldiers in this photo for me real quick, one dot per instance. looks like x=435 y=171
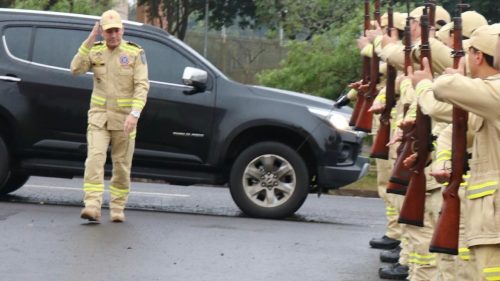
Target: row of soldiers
x=433 y=87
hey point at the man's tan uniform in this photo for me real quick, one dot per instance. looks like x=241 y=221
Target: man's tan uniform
x=482 y=199
x=120 y=86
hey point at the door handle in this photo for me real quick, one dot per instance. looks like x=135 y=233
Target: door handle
x=10 y=78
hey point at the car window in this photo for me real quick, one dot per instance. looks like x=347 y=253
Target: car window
x=165 y=64
x=18 y=41
x=57 y=46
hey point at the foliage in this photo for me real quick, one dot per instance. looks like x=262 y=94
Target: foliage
x=221 y=13
x=488 y=8
x=297 y=17
x=89 y=7
x=322 y=66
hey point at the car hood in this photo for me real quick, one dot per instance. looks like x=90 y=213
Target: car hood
x=300 y=99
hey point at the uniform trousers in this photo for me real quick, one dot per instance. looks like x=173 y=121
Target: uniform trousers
x=393 y=229
x=122 y=149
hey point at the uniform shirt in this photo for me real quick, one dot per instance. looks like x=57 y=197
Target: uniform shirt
x=120 y=81
x=481 y=97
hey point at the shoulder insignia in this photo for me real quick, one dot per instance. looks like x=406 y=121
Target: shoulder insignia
x=98 y=43
x=134 y=44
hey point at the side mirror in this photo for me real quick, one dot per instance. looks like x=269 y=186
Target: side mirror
x=195 y=77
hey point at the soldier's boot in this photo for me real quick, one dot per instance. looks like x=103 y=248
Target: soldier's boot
x=390 y=256
x=93 y=202
x=117 y=204
x=117 y=215
x=385 y=243
x=91 y=213
x=394 y=272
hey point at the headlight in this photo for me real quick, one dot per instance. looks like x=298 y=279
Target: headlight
x=337 y=120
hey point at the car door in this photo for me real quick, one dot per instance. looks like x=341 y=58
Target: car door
x=176 y=125
x=56 y=102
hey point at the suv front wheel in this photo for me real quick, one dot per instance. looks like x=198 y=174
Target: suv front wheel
x=269 y=180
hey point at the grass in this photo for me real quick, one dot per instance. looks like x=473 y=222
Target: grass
x=366 y=186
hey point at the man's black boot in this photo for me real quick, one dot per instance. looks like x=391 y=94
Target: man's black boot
x=394 y=272
x=391 y=256
x=384 y=243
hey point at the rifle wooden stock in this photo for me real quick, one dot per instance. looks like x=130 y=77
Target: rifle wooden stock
x=401 y=175
x=366 y=72
x=412 y=211
x=380 y=149
x=446 y=233
x=365 y=118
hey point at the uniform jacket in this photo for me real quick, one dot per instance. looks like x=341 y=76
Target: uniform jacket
x=120 y=81
x=481 y=97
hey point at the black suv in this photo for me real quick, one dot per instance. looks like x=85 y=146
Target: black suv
x=270 y=146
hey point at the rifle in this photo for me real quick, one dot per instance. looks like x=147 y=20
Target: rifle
x=380 y=149
x=400 y=176
x=366 y=71
x=365 y=119
x=412 y=211
x=446 y=233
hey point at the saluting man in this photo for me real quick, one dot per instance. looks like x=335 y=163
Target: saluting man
x=120 y=90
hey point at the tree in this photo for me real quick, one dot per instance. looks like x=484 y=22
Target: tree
x=322 y=66
x=89 y=7
x=490 y=9
x=303 y=17
x=178 y=12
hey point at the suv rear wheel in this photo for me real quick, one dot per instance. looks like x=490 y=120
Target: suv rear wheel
x=269 y=180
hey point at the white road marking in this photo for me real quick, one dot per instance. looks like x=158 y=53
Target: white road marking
x=132 y=192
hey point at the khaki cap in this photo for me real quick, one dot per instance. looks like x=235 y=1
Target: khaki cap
x=111 y=19
x=470 y=21
x=483 y=40
x=384 y=20
x=443 y=34
x=495 y=28
x=442 y=16
x=466 y=44
x=400 y=20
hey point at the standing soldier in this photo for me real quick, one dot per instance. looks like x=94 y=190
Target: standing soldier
x=482 y=199
x=119 y=95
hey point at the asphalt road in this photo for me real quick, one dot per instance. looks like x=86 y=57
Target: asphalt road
x=184 y=233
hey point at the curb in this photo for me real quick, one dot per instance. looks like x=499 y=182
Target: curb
x=354 y=192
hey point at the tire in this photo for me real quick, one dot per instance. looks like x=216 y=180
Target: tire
x=13 y=183
x=4 y=162
x=269 y=180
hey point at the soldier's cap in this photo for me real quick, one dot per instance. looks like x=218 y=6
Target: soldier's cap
x=495 y=28
x=470 y=21
x=111 y=19
x=483 y=40
x=383 y=21
x=400 y=20
x=466 y=44
x=443 y=33
x=442 y=16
